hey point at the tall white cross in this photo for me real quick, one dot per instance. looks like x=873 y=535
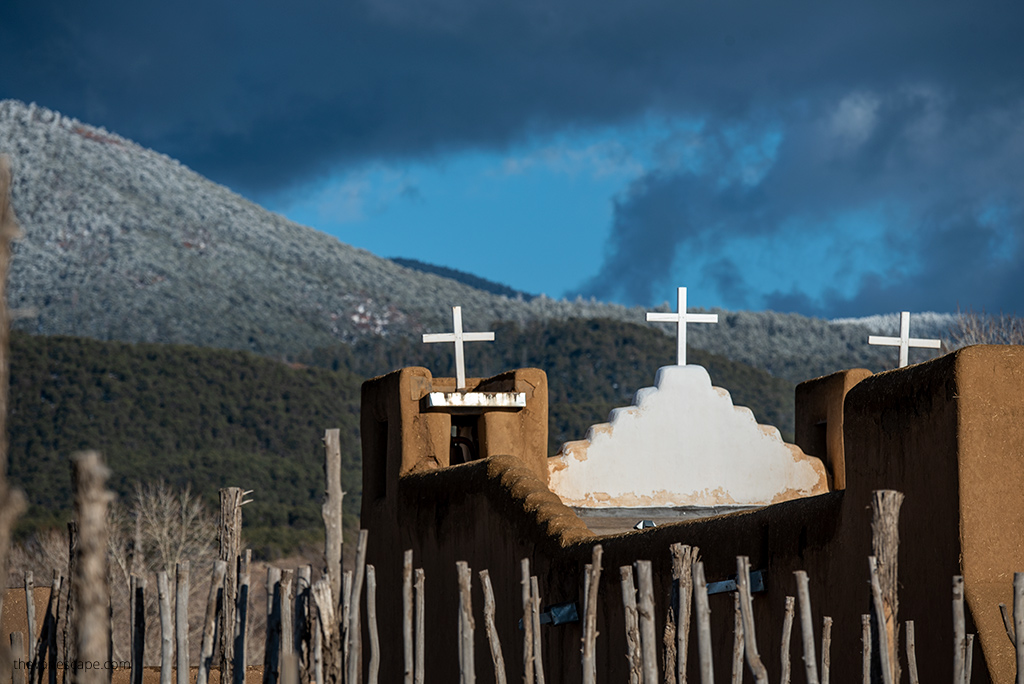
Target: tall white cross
x=904 y=341
x=458 y=337
x=681 y=318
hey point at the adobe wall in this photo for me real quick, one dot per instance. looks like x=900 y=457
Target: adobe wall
x=948 y=433
x=819 y=420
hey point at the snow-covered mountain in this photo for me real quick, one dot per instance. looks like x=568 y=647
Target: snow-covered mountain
x=123 y=243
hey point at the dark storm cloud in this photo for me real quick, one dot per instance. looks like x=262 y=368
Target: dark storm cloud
x=267 y=94
x=944 y=172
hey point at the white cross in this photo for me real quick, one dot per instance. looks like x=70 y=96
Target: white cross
x=458 y=337
x=904 y=341
x=681 y=319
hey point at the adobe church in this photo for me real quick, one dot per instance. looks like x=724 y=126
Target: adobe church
x=457 y=469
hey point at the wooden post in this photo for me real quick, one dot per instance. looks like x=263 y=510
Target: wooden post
x=632 y=624
x=420 y=625
x=407 y=614
x=787 y=633
x=181 y=576
x=71 y=605
x=969 y=660
x=332 y=510
x=879 y=613
x=272 y=643
x=138 y=627
x=241 y=621
x=645 y=609
x=1018 y=621
x=885 y=543
x=48 y=647
x=747 y=612
x=865 y=648
x=18 y=657
x=301 y=636
x=538 y=656
x=826 y=649
x=959 y=631
x=355 y=648
x=166 y=627
x=30 y=614
x=524 y=583
x=467 y=666
x=803 y=592
x=213 y=606
x=590 y=627
x=229 y=537
x=492 y=629
x=371 y=623
x=90 y=578
x=325 y=633
x=912 y=653
x=289 y=668
x=287 y=614
x=346 y=610
x=737 y=640
x=683 y=558
x=703 y=611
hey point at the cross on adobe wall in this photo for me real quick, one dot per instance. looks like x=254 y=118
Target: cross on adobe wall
x=458 y=337
x=904 y=341
x=681 y=318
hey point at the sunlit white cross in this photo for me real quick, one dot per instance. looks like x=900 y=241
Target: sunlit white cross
x=458 y=337
x=681 y=318
x=904 y=341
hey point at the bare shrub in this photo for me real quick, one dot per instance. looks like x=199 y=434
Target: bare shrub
x=972 y=327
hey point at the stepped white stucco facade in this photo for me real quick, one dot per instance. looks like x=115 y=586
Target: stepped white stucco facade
x=683 y=443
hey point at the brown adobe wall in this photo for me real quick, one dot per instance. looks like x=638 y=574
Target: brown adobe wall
x=819 y=420
x=948 y=433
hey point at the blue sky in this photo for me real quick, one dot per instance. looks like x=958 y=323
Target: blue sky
x=828 y=159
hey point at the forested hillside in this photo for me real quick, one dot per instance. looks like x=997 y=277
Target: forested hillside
x=203 y=417
x=211 y=418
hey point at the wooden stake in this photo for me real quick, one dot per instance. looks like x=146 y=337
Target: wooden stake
x=492 y=629
x=959 y=631
x=272 y=634
x=467 y=666
x=138 y=628
x=885 y=542
x=166 y=628
x=229 y=538
x=787 y=633
x=683 y=558
x=241 y=620
x=807 y=626
x=407 y=613
x=302 y=624
x=879 y=612
x=355 y=647
x=865 y=648
x=747 y=611
x=1018 y=621
x=911 y=653
x=48 y=647
x=703 y=610
x=324 y=631
x=213 y=606
x=346 y=612
x=181 y=580
x=632 y=624
x=538 y=657
x=524 y=584
x=287 y=615
x=969 y=660
x=645 y=608
x=420 y=625
x=371 y=624
x=289 y=667
x=826 y=648
x=590 y=626
x=737 y=640
x=90 y=577
x=30 y=614
x=331 y=511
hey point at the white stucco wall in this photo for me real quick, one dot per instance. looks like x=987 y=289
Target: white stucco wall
x=683 y=443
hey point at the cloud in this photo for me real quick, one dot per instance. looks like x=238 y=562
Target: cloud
x=269 y=96
x=924 y=187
